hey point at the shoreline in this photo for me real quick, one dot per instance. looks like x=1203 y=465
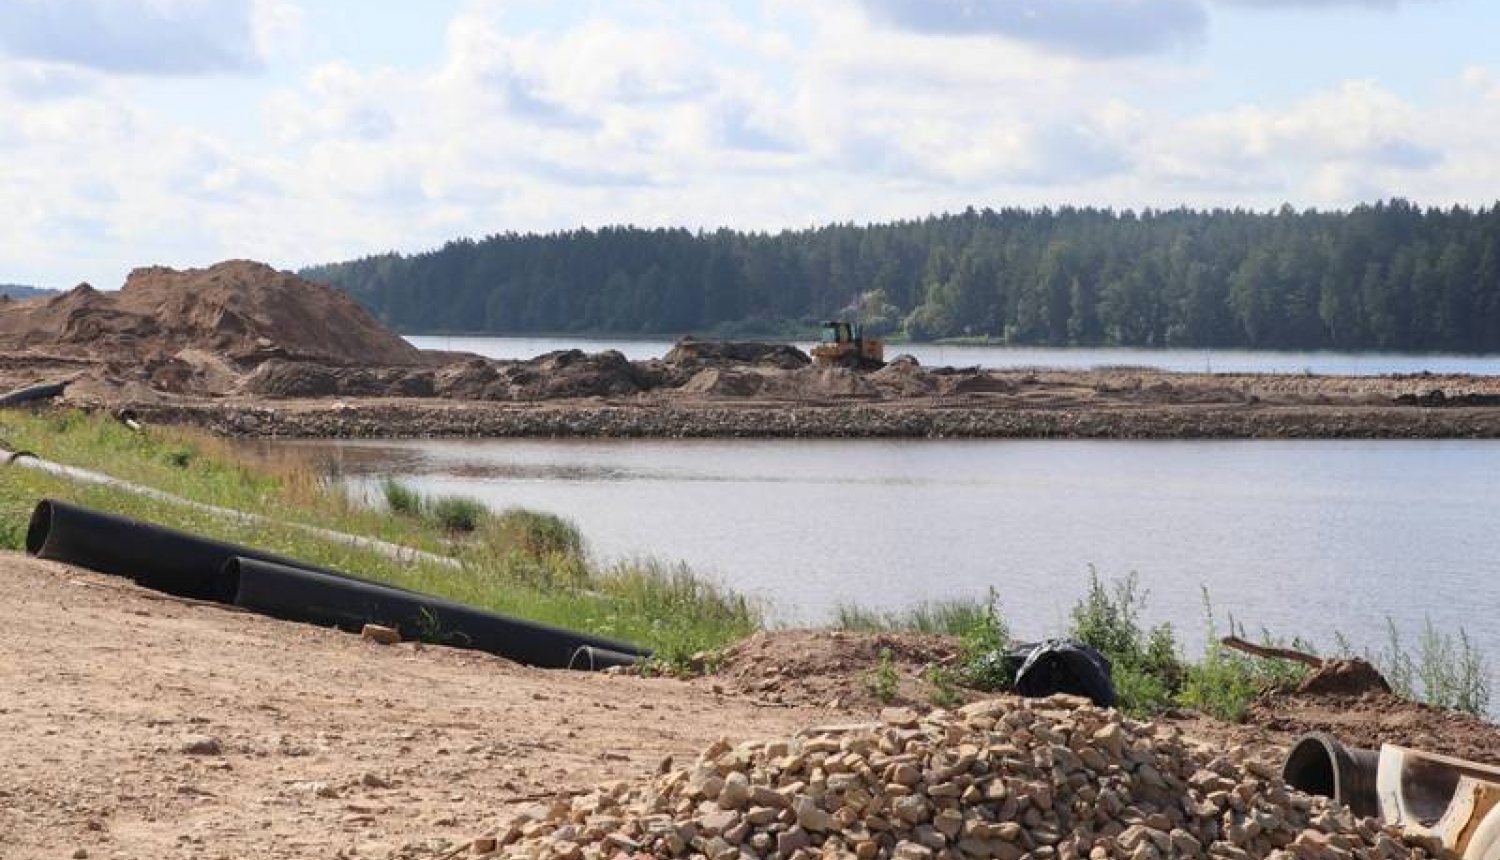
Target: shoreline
x=408 y=418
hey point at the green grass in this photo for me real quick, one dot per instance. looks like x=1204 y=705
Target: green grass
x=532 y=567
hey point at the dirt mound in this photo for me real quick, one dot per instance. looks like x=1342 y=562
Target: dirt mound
x=244 y=311
x=904 y=377
x=813 y=383
x=832 y=668
x=779 y=355
x=1376 y=718
x=574 y=373
x=982 y=383
x=279 y=378
x=723 y=382
x=1350 y=677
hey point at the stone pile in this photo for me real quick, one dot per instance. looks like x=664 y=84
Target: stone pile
x=1003 y=779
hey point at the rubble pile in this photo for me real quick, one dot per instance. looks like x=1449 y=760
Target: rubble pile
x=1001 y=779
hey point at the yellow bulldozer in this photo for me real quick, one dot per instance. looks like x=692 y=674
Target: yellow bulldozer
x=846 y=345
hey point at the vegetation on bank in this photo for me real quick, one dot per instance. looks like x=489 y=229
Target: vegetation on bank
x=1149 y=672
x=535 y=565
x=521 y=563
x=1388 y=276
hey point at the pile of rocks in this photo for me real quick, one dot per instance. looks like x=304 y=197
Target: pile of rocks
x=1003 y=779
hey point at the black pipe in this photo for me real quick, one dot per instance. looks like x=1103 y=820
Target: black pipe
x=1319 y=764
x=40 y=391
x=295 y=594
x=157 y=557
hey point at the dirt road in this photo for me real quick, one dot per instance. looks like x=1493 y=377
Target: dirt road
x=138 y=726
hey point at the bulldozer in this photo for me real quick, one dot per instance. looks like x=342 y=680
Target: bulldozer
x=847 y=346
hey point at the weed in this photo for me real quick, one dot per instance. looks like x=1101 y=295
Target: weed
x=457 y=514
x=400 y=498
x=882 y=679
x=982 y=647
x=1144 y=663
x=533 y=533
x=945 y=683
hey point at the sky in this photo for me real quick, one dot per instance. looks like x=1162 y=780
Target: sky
x=182 y=132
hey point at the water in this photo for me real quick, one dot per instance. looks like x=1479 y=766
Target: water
x=1305 y=538
x=934 y=355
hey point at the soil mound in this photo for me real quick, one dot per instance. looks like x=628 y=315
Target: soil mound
x=779 y=355
x=816 y=383
x=904 y=377
x=244 y=311
x=832 y=668
x=1376 y=718
x=1350 y=677
x=574 y=373
x=723 y=382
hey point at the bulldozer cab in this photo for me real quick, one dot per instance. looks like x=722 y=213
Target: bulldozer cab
x=845 y=344
x=838 y=332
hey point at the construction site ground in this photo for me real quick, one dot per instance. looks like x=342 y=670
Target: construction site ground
x=135 y=725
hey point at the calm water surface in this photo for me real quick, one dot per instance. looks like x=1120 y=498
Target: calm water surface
x=1301 y=537
x=933 y=355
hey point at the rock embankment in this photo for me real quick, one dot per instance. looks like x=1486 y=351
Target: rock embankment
x=373 y=419
x=1003 y=779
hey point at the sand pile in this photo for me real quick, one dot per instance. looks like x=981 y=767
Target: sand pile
x=1003 y=779
x=242 y=311
x=690 y=351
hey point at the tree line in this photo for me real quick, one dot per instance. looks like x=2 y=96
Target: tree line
x=1388 y=276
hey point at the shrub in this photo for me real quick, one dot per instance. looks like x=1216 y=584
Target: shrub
x=457 y=514
x=982 y=648
x=1225 y=682
x=1144 y=664
x=400 y=498
x=882 y=680
x=534 y=533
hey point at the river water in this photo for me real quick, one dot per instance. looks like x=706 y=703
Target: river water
x=1301 y=537
x=936 y=355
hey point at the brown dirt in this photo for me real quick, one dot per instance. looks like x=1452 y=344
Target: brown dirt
x=326 y=743
x=242 y=311
x=832 y=668
x=1374 y=718
x=138 y=725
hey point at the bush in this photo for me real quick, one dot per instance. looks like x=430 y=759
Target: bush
x=1447 y=671
x=1144 y=663
x=1225 y=682
x=534 y=533
x=983 y=644
x=457 y=514
x=400 y=498
x=882 y=680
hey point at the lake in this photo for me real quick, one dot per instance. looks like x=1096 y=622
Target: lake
x=936 y=355
x=1303 y=537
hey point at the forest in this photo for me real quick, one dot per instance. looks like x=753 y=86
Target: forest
x=1384 y=276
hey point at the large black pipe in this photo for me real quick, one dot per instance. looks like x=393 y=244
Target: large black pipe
x=296 y=594
x=41 y=391
x=155 y=556
x=1319 y=764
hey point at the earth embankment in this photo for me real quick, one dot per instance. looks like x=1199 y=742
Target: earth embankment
x=247 y=350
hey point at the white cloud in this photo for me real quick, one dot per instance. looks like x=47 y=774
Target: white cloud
x=814 y=113
x=149 y=37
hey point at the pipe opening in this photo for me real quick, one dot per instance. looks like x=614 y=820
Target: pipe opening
x=39 y=527
x=1310 y=768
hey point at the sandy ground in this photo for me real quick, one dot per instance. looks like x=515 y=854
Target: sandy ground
x=314 y=743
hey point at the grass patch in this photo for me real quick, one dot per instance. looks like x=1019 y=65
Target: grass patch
x=533 y=567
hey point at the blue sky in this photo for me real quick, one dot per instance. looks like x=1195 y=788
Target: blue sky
x=181 y=132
